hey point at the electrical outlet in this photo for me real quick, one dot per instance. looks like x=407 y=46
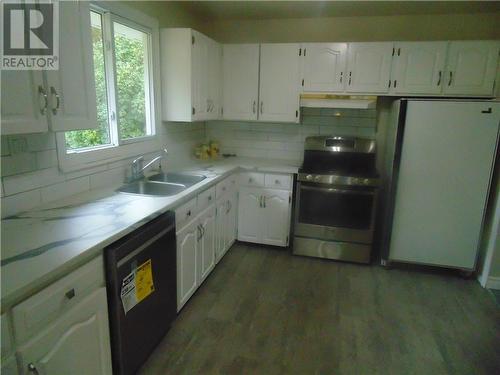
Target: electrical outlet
x=18 y=145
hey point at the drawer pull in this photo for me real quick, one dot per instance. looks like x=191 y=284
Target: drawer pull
x=250 y=179
x=209 y=198
x=277 y=182
x=70 y=293
x=188 y=213
x=223 y=188
x=32 y=369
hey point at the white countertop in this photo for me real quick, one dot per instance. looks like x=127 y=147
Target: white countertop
x=46 y=243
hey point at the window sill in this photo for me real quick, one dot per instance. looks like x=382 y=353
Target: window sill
x=74 y=161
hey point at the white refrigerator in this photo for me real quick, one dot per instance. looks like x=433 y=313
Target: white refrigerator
x=440 y=158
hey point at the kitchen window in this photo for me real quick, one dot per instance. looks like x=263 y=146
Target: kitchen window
x=125 y=56
x=121 y=67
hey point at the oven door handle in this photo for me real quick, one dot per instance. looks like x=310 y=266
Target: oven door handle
x=338 y=191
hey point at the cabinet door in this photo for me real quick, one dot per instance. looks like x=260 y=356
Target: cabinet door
x=214 y=79
x=471 y=68
x=24 y=102
x=200 y=75
x=276 y=218
x=240 y=76
x=220 y=229
x=77 y=343
x=72 y=95
x=187 y=248
x=279 y=78
x=206 y=243
x=9 y=366
x=369 y=67
x=250 y=215
x=419 y=67
x=324 y=66
x=232 y=206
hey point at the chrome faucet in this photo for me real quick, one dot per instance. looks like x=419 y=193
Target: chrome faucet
x=137 y=168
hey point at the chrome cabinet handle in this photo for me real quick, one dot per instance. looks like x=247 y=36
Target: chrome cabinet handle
x=451 y=79
x=199 y=232
x=70 y=293
x=264 y=201
x=341 y=76
x=261 y=107
x=43 y=93
x=32 y=368
x=253 y=106
x=228 y=207
x=260 y=201
x=53 y=92
x=350 y=76
x=439 y=78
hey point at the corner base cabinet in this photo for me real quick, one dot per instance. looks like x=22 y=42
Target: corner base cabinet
x=264 y=208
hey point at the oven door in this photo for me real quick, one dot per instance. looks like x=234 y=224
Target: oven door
x=332 y=212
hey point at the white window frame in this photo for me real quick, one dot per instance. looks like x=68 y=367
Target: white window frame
x=120 y=149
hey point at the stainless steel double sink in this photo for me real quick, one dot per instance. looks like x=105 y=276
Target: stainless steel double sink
x=162 y=184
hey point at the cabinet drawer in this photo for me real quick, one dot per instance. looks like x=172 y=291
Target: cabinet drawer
x=278 y=181
x=251 y=179
x=38 y=311
x=225 y=186
x=205 y=199
x=185 y=213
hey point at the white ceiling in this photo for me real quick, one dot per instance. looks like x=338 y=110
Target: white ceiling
x=227 y=10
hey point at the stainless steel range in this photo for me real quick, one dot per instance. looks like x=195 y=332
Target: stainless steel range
x=336 y=199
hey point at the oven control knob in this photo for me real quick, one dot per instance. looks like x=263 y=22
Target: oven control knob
x=317 y=178
x=309 y=177
x=366 y=181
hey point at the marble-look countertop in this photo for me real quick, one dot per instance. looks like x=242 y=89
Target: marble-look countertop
x=46 y=243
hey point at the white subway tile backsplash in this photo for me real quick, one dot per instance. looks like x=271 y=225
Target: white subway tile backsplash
x=18 y=163
x=29 y=181
x=113 y=177
x=41 y=142
x=14 y=204
x=46 y=159
x=65 y=189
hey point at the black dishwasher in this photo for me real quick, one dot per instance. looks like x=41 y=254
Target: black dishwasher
x=141 y=285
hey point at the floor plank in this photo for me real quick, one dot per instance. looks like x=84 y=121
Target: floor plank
x=264 y=311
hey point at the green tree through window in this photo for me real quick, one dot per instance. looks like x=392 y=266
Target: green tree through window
x=132 y=84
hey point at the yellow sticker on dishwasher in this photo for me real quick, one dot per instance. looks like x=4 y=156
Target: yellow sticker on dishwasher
x=144 y=285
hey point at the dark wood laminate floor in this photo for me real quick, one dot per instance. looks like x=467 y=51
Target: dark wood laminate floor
x=264 y=311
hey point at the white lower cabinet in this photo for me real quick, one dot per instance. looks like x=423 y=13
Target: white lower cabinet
x=225 y=224
x=9 y=366
x=187 y=250
x=76 y=343
x=264 y=214
x=195 y=253
x=206 y=246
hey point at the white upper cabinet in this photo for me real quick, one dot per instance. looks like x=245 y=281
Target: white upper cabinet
x=418 y=67
x=68 y=99
x=279 y=77
x=199 y=66
x=190 y=74
x=24 y=102
x=323 y=67
x=240 y=67
x=214 y=72
x=471 y=68
x=369 y=67
x=72 y=95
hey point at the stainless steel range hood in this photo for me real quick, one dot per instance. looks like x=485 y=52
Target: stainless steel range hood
x=321 y=100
